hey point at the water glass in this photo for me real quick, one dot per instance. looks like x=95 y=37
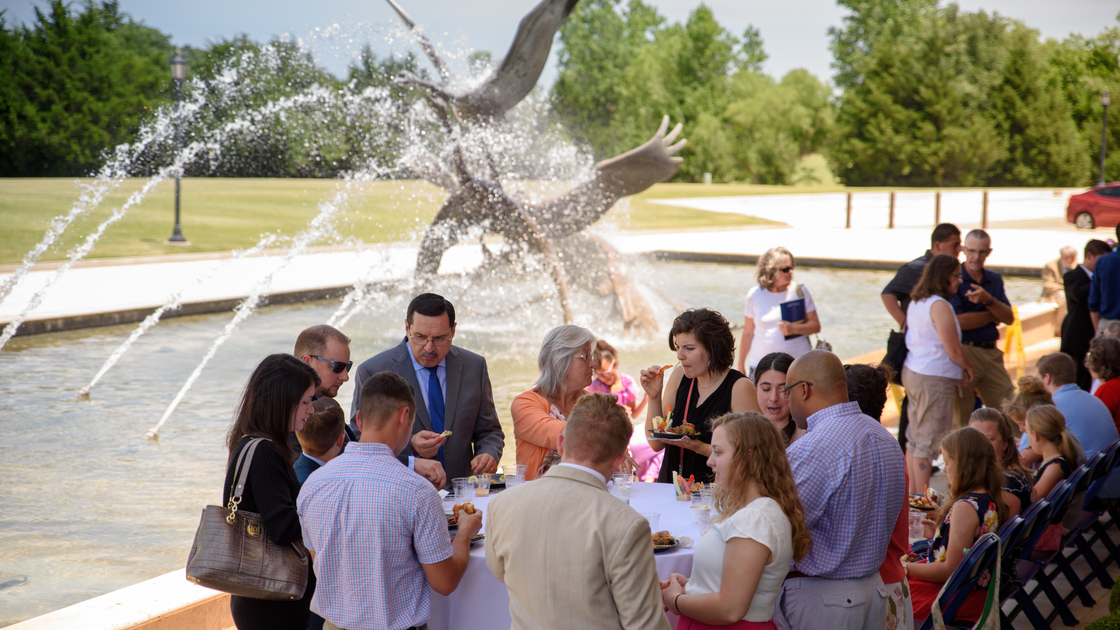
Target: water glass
x=463 y=489
x=654 y=519
x=917 y=530
x=621 y=487
x=515 y=474
x=707 y=500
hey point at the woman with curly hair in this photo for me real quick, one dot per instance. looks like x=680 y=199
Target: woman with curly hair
x=1103 y=362
x=974 y=507
x=1017 y=483
x=764 y=330
x=1031 y=391
x=702 y=388
x=741 y=562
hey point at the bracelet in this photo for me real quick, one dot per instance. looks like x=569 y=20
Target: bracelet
x=675 y=603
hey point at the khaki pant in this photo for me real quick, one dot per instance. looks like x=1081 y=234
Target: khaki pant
x=989 y=379
x=930 y=401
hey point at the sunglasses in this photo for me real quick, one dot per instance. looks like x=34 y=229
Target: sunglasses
x=338 y=367
x=786 y=269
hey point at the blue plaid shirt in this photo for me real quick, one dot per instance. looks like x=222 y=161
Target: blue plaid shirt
x=850 y=476
x=372 y=522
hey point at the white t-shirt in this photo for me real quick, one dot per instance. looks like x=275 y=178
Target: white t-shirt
x=765 y=308
x=762 y=521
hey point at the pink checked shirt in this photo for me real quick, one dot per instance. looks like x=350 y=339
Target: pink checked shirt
x=372 y=522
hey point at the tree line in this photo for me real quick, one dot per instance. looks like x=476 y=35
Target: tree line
x=923 y=94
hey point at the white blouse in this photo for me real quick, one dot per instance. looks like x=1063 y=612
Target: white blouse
x=765 y=308
x=762 y=521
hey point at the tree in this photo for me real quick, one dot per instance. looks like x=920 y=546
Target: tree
x=77 y=84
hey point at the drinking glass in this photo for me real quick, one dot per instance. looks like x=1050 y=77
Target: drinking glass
x=482 y=485
x=463 y=489
x=654 y=519
x=515 y=474
x=917 y=530
x=621 y=487
x=706 y=499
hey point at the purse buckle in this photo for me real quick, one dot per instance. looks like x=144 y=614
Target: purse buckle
x=253 y=530
x=232 y=507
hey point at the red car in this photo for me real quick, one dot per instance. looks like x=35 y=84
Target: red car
x=1097 y=207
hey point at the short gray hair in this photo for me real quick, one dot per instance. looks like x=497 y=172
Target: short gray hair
x=559 y=346
x=1067 y=251
x=768 y=265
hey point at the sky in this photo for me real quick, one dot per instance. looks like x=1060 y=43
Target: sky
x=794 y=32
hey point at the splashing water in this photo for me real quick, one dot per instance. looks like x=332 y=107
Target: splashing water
x=172 y=303
x=318 y=228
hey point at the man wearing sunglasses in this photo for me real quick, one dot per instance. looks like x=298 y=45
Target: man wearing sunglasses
x=327 y=351
x=452 y=388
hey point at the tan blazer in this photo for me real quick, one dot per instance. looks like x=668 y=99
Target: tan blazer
x=572 y=556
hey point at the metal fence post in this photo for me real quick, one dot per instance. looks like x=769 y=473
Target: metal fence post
x=984 y=213
x=890 y=218
x=848 y=214
x=937 y=208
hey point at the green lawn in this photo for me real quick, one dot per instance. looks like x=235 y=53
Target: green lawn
x=225 y=214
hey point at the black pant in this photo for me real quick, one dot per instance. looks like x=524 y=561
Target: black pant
x=903 y=422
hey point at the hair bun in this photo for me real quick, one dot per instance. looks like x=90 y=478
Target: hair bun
x=1031 y=385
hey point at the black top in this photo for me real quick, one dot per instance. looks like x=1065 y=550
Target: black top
x=991 y=282
x=1019 y=486
x=716 y=404
x=906 y=279
x=270 y=491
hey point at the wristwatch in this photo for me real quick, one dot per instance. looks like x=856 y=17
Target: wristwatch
x=990 y=301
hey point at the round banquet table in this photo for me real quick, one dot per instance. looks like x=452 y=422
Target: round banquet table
x=482 y=603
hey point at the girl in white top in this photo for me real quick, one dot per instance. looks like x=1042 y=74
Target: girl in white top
x=760 y=528
x=764 y=330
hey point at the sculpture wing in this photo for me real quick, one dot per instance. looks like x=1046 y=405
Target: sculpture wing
x=522 y=66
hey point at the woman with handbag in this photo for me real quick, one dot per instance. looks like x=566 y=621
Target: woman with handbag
x=276 y=402
x=934 y=368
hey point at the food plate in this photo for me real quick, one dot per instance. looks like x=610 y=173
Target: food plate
x=498 y=480
x=477 y=538
x=668 y=437
x=663 y=548
x=452 y=522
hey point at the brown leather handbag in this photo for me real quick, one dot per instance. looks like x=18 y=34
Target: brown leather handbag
x=232 y=554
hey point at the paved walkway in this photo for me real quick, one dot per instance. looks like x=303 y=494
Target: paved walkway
x=104 y=292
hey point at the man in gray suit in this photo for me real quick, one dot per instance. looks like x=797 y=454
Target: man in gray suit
x=571 y=555
x=453 y=393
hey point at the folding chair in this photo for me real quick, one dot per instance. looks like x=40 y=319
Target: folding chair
x=1097 y=507
x=1035 y=520
x=1062 y=562
x=981 y=558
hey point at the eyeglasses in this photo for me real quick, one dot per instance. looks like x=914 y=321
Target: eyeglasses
x=786 y=269
x=421 y=341
x=785 y=389
x=338 y=367
x=981 y=252
x=584 y=357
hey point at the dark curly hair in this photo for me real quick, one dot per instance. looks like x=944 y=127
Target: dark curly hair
x=867 y=385
x=1104 y=357
x=712 y=331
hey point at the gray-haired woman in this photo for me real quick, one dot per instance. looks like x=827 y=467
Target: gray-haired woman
x=764 y=329
x=565 y=363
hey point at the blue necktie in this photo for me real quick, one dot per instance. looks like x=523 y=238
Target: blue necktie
x=435 y=404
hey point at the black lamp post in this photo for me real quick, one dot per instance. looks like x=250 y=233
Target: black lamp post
x=178 y=74
x=1104 y=130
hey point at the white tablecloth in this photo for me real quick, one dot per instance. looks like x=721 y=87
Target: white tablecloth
x=482 y=603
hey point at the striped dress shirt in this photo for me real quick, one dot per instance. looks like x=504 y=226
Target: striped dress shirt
x=850 y=476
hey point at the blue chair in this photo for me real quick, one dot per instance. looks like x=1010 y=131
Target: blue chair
x=1062 y=562
x=1096 y=507
x=1036 y=519
x=980 y=559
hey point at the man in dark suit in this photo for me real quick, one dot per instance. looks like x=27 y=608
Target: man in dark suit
x=1077 y=327
x=456 y=424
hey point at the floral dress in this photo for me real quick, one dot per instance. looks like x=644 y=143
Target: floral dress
x=923 y=593
x=986 y=511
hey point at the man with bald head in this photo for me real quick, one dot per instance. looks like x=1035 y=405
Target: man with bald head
x=850 y=476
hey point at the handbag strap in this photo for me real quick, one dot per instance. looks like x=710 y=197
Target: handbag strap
x=241 y=474
x=684 y=421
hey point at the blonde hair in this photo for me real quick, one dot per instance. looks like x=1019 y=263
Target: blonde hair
x=974 y=464
x=768 y=262
x=1032 y=391
x=760 y=456
x=1006 y=428
x=1050 y=425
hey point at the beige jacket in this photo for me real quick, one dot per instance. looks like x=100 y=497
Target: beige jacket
x=572 y=556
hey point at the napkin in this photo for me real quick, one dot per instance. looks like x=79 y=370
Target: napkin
x=443 y=494
x=685 y=542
